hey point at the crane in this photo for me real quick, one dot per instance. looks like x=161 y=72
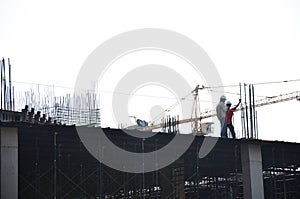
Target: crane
x=195 y=120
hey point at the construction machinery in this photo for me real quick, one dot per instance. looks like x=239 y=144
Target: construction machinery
x=199 y=128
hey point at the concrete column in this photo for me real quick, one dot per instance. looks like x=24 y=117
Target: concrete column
x=9 y=162
x=252 y=171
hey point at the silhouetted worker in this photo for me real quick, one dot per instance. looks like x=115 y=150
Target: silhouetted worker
x=229 y=115
x=221 y=111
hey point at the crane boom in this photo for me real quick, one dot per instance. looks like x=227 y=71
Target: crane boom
x=258 y=103
x=278 y=98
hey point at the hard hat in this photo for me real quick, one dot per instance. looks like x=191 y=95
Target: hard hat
x=228 y=103
x=223 y=97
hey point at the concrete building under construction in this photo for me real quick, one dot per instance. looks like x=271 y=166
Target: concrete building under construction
x=43 y=156
x=50 y=161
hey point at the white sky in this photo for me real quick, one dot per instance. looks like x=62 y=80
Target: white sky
x=248 y=41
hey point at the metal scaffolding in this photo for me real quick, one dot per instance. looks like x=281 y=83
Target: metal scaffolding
x=53 y=163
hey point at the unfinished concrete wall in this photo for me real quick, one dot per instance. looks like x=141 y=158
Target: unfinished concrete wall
x=9 y=162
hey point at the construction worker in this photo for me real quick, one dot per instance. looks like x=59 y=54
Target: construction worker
x=229 y=115
x=221 y=112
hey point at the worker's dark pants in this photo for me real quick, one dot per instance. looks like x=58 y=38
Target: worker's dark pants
x=231 y=128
